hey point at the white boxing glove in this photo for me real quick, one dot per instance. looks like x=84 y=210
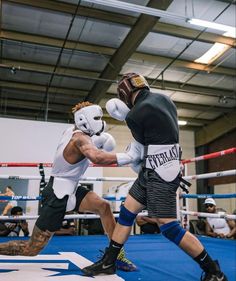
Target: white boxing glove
x=117 y=109
x=133 y=155
x=104 y=141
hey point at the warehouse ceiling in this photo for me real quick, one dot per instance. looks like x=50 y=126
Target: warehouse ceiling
x=55 y=54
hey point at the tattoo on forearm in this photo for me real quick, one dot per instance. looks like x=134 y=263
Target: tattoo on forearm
x=32 y=247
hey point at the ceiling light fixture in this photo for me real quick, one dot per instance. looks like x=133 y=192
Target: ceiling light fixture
x=213 y=53
x=229 y=30
x=182 y=122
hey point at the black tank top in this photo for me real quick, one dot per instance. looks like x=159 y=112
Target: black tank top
x=153 y=119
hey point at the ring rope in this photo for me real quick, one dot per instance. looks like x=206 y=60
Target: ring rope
x=45 y=165
x=21 y=198
x=113 y=198
x=210 y=155
x=37 y=198
x=203 y=196
x=120 y=179
x=94 y=216
x=208 y=215
x=195 y=159
x=74 y=216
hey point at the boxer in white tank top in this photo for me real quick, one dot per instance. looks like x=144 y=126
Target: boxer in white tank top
x=83 y=143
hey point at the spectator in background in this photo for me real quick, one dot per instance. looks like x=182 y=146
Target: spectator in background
x=10 y=203
x=218 y=227
x=14 y=227
x=147 y=225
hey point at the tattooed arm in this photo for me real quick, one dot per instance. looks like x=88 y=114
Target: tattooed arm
x=32 y=247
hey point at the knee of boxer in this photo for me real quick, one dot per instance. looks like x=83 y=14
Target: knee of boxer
x=173 y=231
x=102 y=207
x=126 y=217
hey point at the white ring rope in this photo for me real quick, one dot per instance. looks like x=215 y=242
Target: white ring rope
x=122 y=179
x=208 y=215
x=211 y=175
x=94 y=216
x=74 y=216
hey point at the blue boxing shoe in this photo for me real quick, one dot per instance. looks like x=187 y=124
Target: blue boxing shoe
x=124 y=264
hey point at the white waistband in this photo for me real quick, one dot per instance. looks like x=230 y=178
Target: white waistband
x=164 y=160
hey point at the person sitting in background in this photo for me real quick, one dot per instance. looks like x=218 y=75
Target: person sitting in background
x=10 y=203
x=218 y=227
x=147 y=225
x=13 y=228
x=67 y=228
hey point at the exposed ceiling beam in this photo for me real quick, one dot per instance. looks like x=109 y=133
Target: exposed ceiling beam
x=22 y=113
x=72 y=94
x=136 y=35
x=48 y=68
x=164 y=85
x=77 y=73
x=161 y=60
x=68 y=8
x=76 y=96
x=15 y=106
x=41 y=88
x=63 y=118
x=102 y=50
x=54 y=42
x=35 y=105
x=193 y=89
x=215 y=129
x=191 y=34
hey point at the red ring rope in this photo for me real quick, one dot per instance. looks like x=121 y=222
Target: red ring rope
x=199 y=158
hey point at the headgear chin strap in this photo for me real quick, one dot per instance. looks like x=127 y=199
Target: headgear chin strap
x=89 y=120
x=128 y=84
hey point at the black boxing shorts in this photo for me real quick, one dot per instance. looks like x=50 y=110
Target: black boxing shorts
x=53 y=209
x=157 y=195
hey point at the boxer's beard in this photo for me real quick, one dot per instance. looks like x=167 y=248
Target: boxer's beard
x=32 y=247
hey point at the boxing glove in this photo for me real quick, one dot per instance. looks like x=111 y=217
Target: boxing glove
x=104 y=141
x=133 y=154
x=117 y=109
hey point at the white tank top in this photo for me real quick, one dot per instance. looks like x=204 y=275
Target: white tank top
x=219 y=225
x=61 y=168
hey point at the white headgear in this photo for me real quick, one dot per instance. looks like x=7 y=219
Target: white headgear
x=89 y=120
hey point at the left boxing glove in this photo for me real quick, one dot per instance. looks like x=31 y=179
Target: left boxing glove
x=104 y=141
x=117 y=109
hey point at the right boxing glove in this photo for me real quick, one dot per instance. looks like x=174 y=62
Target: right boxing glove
x=117 y=109
x=133 y=154
x=104 y=141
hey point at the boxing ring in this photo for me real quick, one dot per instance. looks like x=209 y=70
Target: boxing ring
x=156 y=258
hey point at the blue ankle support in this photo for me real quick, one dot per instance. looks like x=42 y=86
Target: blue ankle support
x=173 y=231
x=126 y=217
